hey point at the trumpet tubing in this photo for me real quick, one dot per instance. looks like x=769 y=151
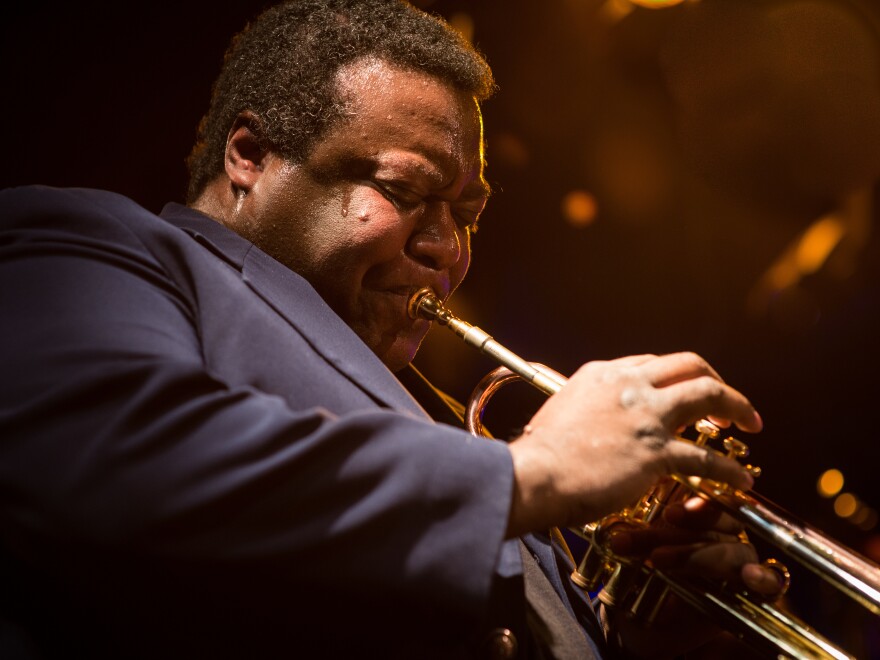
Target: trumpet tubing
x=641 y=589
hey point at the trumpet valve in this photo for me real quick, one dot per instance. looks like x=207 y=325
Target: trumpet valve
x=621 y=585
x=707 y=431
x=590 y=572
x=738 y=449
x=598 y=561
x=735 y=448
x=594 y=564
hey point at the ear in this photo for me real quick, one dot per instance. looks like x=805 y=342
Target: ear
x=245 y=151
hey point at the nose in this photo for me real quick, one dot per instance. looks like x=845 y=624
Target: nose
x=437 y=241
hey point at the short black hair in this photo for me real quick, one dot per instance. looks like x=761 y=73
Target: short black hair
x=282 y=67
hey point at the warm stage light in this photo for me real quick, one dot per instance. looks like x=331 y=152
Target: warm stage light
x=832 y=242
x=845 y=505
x=613 y=11
x=817 y=243
x=579 y=208
x=869 y=523
x=656 y=4
x=830 y=483
x=463 y=24
x=861 y=516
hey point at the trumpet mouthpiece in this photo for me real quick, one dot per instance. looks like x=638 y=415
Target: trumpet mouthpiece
x=424 y=304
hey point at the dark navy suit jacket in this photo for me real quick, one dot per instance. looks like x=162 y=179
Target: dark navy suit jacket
x=199 y=458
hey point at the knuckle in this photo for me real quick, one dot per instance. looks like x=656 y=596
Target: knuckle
x=621 y=373
x=592 y=368
x=666 y=464
x=706 y=462
x=749 y=552
x=651 y=436
x=629 y=397
x=695 y=360
x=712 y=390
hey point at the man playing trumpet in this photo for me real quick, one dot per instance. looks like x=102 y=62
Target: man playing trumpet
x=208 y=450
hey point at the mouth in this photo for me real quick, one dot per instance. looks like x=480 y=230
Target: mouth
x=409 y=296
x=424 y=304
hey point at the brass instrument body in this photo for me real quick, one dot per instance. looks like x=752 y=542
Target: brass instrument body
x=638 y=588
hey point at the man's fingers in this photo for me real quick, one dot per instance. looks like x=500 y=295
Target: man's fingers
x=694 y=399
x=686 y=458
x=724 y=561
x=762 y=580
x=698 y=514
x=673 y=368
x=642 y=542
x=631 y=360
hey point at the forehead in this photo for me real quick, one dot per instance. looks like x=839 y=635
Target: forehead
x=388 y=107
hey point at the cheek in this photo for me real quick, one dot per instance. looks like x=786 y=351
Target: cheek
x=374 y=224
x=352 y=234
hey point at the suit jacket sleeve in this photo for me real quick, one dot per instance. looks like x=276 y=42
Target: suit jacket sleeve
x=131 y=461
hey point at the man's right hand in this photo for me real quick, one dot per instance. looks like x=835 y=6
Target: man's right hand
x=610 y=434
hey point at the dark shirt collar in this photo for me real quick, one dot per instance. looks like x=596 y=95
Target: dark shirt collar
x=218 y=238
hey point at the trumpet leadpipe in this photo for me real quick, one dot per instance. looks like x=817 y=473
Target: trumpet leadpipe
x=425 y=304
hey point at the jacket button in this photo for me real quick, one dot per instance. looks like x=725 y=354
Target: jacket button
x=501 y=644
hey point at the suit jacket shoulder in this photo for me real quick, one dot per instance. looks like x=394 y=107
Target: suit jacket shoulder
x=186 y=417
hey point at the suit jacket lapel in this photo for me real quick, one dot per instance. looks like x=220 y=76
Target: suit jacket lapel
x=297 y=301
x=300 y=305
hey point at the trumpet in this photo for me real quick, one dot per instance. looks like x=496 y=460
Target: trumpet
x=640 y=589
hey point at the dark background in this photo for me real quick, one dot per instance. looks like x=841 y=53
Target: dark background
x=708 y=136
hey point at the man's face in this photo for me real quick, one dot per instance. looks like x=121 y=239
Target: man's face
x=384 y=204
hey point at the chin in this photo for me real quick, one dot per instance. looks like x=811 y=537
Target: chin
x=398 y=358
x=400 y=351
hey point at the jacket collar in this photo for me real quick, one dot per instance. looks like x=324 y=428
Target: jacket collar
x=292 y=297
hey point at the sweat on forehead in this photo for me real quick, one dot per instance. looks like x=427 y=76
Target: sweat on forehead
x=371 y=77
x=422 y=100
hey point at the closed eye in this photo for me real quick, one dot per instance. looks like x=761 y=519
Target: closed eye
x=403 y=199
x=465 y=212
